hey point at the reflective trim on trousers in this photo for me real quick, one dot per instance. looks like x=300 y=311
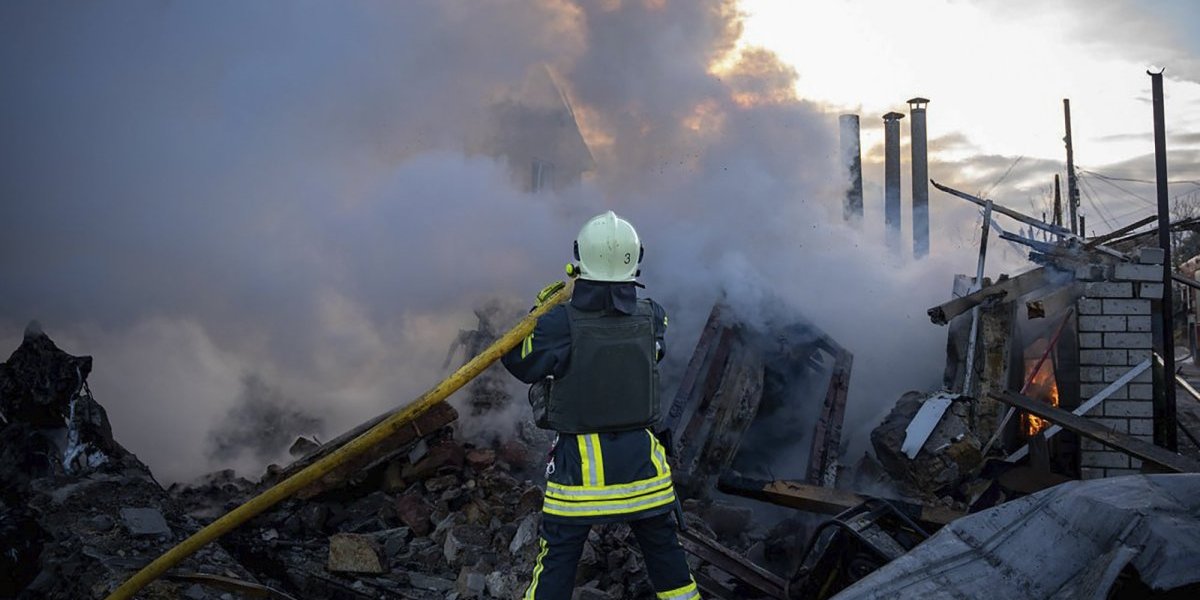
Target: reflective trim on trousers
x=687 y=592
x=537 y=570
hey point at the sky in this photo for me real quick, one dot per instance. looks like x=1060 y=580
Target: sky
x=270 y=214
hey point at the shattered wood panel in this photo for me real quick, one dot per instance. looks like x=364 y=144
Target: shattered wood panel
x=996 y=345
x=713 y=553
x=439 y=415
x=827 y=434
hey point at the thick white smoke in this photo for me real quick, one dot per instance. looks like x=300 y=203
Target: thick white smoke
x=201 y=195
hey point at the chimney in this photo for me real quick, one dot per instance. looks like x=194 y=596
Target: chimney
x=891 y=178
x=851 y=156
x=920 y=177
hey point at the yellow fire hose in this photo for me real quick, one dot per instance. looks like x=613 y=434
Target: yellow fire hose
x=353 y=448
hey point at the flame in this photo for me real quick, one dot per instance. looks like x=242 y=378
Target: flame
x=1043 y=387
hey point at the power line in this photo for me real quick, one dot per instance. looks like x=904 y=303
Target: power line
x=1178 y=181
x=1002 y=177
x=1106 y=181
x=1090 y=194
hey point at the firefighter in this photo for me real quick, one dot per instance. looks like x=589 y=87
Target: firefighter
x=593 y=363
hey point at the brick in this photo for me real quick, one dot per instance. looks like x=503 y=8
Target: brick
x=1107 y=460
x=1136 y=357
x=1150 y=256
x=1141 y=391
x=1090 y=273
x=1096 y=412
x=1117 y=425
x=1128 y=408
x=1137 y=272
x=1090 y=306
x=1103 y=357
x=1128 y=340
x=1126 y=307
x=1088 y=445
x=1091 y=340
x=1092 y=374
x=1108 y=289
x=1138 y=324
x=1087 y=390
x=1141 y=427
x=1145 y=437
x=1091 y=473
x=1102 y=323
x=1135 y=463
x=1150 y=290
x=1115 y=373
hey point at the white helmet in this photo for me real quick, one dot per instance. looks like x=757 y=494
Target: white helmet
x=608 y=249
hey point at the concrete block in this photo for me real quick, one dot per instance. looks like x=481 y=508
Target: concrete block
x=1145 y=437
x=1090 y=306
x=1138 y=272
x=1092 y=374
x=1141 y=391
x=1128 y=340
x=144 y=521
x=1115 y=373
x=1149 y=256
x=1138 y=324
x=1105 y=459
x=1088 y=445
x=1141 y=427
x=1102 y=323
x=353 y=553
x=1128 y=408
x=1135 y=463
x=1091 y=340
x=1108 y=289
x=1103 y=357
x=1087 y=390
x=1150 y=290
x=1090 y=273
x=1091 y=473
x=1137 y=356
x=1115 y=306
x=1117 y=425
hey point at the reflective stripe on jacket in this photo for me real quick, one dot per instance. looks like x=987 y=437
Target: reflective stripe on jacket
x=607 y=477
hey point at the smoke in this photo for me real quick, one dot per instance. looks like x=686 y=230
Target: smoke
x=259 y=425
x=197 y=193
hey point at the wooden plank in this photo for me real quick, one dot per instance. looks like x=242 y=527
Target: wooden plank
x=827 y=434
x=1090 y=429
x=823 y=500
x=713 y=553
x=1009 y=289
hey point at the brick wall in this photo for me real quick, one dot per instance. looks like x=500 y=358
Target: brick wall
x=1114 y=335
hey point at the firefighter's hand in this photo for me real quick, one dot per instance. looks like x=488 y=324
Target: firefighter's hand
x=547 y=292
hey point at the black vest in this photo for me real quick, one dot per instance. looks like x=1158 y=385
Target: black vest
x=611 y=383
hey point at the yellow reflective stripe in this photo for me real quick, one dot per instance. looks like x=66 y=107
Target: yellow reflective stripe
x=591 y=509
x=585 y=461
x=537 y=570
x=687 y=592
x=608 y=492
x=657 y=457
x=527 y=345
x=664 y=320
x=598 y=466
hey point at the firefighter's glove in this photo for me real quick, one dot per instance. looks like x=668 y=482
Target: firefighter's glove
x=547 y=292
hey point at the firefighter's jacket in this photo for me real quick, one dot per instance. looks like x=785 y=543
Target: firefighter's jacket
x=595 y=477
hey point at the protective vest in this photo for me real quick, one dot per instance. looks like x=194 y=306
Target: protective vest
x=611 y=383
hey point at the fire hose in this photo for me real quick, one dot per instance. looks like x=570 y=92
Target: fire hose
x=380 y=432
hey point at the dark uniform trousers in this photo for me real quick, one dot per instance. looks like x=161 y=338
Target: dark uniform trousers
x=562 y=545
x=609 y=478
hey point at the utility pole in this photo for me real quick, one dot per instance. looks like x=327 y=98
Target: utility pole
x=1164 y=402
x=1057 y=202
x=1072 y=186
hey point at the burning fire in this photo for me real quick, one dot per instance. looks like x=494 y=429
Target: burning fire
x=1043 y=387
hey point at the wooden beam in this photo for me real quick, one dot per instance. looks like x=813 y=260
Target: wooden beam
x=1009 y=289
x=713 y=553
x=823 y=500
x=1090 y=429
x=1008 y=212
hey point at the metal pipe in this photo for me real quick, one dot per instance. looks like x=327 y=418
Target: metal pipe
x=920 y=176
x=1164 y=398
x=891 y=179
x=852 y=209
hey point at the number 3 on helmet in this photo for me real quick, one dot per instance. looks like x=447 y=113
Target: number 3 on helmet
x=605 y=248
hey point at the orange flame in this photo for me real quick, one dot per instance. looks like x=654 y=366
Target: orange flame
x=1043 y=387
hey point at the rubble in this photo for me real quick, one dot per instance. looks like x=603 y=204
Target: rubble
x=949 y=457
